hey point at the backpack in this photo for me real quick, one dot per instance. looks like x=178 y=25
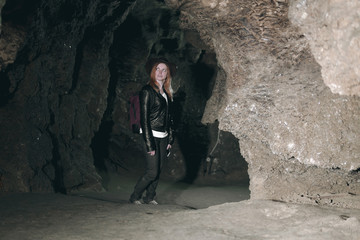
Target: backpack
x=134 y=113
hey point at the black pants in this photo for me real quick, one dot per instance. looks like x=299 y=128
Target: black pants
x=149 y=181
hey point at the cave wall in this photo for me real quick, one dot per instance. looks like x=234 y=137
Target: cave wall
x=56 y=91
x=299 y=138
x=67 y=69
x=278 y=86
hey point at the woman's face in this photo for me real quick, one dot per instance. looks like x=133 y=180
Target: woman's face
x=161 y=72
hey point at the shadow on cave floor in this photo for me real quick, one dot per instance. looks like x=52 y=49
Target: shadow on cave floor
x=170 y=192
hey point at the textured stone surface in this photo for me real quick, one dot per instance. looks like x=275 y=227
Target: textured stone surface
x=57 y=96
x=11 y=40
x=332 y=29
x=300 y=140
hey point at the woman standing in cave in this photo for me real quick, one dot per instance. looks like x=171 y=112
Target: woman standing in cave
x=155 y=102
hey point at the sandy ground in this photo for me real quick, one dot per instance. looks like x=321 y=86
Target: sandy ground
x=185 y=212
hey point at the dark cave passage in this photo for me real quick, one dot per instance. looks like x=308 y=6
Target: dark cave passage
x=71 y=82
x=142 y=36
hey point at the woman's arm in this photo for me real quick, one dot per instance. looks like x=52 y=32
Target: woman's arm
x=145 y=108
x=170 y=124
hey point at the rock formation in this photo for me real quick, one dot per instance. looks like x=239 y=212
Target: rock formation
x=279 y=77
x=57 y=92
x=299 y=138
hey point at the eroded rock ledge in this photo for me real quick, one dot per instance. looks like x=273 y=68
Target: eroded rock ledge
x=300 y=139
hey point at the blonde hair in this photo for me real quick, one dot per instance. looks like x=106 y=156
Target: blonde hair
x=167 y=84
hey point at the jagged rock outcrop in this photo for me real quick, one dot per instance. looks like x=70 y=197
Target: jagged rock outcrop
x=57 y=95
x=299 y=139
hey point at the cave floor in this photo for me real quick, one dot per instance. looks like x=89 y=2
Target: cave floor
x=185 y=212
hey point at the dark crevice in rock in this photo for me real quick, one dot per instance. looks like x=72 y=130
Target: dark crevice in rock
x=190 y=103
x=19 y=12
x=77 y=65
x=101 y=141
x=204 y=78
x=122 y=46
x=57 y=181
x=4 y=88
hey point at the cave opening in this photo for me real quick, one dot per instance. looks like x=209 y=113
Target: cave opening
x=84 y=69
x=199 y=154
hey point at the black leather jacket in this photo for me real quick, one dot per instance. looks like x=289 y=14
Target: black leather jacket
x=154 y=115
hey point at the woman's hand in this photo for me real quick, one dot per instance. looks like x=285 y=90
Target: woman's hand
x=152 y=153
